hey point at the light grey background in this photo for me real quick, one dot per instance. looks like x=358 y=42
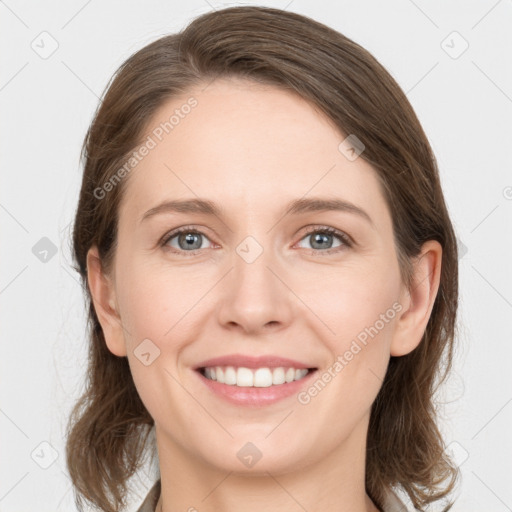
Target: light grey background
x=464 y=101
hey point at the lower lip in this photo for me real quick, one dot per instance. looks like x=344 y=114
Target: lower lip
x=253 y=396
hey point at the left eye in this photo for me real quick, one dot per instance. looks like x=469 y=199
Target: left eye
x=322 y=239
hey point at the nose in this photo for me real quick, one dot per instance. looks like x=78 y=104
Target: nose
x=255 y=298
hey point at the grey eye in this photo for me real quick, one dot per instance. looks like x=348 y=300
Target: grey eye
x=322 y=240
x=187 y=241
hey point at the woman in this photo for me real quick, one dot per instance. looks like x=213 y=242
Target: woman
x=271 y=274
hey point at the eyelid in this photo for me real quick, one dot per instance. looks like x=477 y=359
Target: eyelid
x=346 y=239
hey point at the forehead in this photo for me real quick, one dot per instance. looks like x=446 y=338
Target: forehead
x=249 y=144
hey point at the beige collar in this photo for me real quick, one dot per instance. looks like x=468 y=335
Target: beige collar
x=392 y=503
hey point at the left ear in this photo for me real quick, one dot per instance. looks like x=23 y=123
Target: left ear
x=417 y=303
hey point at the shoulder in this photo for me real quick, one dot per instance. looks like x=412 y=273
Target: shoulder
x=393 y=503
x=149 y=503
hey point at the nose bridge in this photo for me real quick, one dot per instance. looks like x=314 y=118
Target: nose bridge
x=255 y=251
x=251 y=262
x=254 y=297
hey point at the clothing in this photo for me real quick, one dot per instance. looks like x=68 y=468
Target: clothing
x=393 y=503
x=149 y=504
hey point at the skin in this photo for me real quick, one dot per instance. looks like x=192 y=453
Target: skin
x=252 y=149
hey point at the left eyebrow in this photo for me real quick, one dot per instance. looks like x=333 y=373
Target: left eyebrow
x=320 y=204
x=295 y=207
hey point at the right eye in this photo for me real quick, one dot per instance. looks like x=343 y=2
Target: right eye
x=185 y=240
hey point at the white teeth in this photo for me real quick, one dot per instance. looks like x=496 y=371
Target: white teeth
x=244 y=377
x=259 y=378
x=262 y=378
x=278 y=376
x=229 y=376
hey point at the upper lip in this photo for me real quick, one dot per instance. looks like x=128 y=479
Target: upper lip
x=240 y=360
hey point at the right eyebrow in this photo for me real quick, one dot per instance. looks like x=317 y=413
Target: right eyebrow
x=203 y=206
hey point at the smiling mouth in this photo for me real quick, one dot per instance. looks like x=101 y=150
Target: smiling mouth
x=254 y=377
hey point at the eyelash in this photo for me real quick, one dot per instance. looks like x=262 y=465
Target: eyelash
x=344 y=238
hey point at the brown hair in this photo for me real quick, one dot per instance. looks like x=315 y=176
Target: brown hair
x=109 y=426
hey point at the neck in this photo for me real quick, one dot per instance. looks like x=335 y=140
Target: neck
x=335 y=483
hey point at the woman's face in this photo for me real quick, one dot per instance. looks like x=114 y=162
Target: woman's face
x=251 y=280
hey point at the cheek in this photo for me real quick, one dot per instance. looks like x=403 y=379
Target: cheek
x=158 y=315
x=351 y=299
x=362 y=316
x=153 y=301
x=162 y=310
x=358 y=309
